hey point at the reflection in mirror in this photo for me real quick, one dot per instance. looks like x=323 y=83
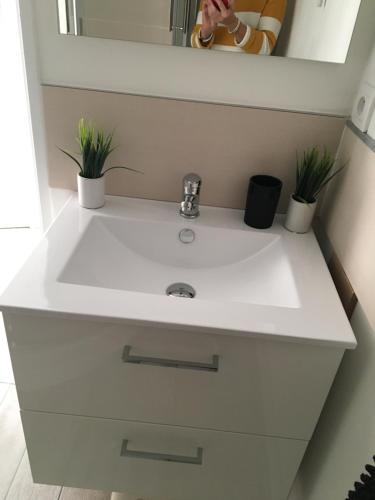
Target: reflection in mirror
x=307 y=29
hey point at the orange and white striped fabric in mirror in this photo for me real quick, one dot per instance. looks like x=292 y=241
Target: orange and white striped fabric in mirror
x=264 y=20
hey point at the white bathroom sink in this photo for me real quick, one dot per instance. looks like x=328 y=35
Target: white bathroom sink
x=117 y=263
x=236 y=265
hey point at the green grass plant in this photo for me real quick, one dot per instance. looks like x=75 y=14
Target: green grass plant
x=314 y=171
x=95 y=148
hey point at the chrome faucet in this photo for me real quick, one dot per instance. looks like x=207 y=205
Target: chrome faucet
x=189 y=207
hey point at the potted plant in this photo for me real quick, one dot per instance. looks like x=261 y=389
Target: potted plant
x=313 y=172
x=95 y=147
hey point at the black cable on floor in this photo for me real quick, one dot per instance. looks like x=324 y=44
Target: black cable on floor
x=364 y=490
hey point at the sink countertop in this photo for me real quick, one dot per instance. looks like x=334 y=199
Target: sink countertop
x=319 y=319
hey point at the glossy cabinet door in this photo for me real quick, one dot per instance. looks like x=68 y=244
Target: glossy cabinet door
x=158 y=461
x=172 y=377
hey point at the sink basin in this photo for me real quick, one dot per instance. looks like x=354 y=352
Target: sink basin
x=141 y=256
x=117 y=263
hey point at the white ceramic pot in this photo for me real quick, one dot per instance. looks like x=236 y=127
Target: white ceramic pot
x=299 y=216
x=90 y=192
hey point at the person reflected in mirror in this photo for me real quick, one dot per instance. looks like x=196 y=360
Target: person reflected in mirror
x=250 y=26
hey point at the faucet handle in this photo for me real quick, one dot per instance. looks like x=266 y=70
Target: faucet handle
x=192 y=184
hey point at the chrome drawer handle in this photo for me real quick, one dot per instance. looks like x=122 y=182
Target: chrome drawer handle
x=147 y=455
x=170 y=363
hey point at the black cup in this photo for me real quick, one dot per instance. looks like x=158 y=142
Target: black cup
x=262 y=200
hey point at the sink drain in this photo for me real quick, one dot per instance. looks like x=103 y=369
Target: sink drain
x=181 y=290
x=186 y=236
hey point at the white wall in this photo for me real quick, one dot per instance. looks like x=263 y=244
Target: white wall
x=18 y=187
x=322 y=30
x=345 y=437
x=344 y=440
x=269 y=82
x=369 y=73
x=141 y=20
x=49 y=200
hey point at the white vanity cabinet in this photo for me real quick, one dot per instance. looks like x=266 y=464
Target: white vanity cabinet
x=89 y=452
x=204 y=416
x=123 y=388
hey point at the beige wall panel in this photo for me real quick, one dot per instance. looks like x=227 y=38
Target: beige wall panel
x=168 y=138
x=349 y=218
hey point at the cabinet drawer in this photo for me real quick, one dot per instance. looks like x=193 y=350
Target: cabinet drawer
x=148 y=460
x=156 y=375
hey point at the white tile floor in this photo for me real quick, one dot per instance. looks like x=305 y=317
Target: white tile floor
x=15 y=475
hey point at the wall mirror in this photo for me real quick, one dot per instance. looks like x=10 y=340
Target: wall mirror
x=319 y=30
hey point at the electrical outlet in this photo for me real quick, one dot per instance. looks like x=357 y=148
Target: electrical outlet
x=364 y=106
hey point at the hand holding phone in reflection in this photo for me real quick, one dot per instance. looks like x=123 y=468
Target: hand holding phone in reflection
x=215 y=12
x=225 y=2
